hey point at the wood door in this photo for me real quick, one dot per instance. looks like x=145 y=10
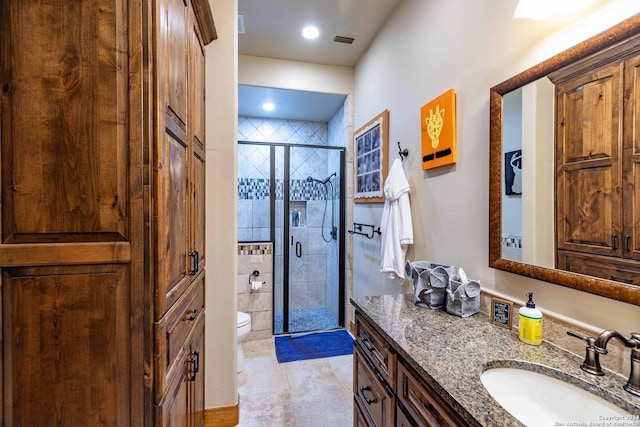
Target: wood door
x=588 y=172
x=631 y=160
x=72 y=244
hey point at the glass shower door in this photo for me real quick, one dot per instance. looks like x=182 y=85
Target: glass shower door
x=308 y=224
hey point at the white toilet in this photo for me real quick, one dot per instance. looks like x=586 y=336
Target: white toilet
x=244 y=327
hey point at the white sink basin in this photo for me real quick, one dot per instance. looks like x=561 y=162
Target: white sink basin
x=539 y=400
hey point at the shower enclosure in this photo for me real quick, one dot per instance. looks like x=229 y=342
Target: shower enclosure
x=298 y=192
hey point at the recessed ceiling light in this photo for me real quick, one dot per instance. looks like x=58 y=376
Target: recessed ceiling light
x=310 y=32
x=268 y=106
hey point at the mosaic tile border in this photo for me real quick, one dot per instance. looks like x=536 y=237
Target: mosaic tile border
x=259 y=189
x=512 y=241
x=255 y=249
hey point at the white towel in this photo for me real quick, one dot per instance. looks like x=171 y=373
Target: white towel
x=396 y=225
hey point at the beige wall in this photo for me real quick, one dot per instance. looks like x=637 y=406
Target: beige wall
x=426 y=48
x=293 y=75
x=221 y=380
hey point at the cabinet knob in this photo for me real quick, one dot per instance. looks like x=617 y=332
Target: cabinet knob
x=192 y=314
x=367 y=399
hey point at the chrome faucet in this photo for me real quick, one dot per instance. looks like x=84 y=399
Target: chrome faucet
x=597 y=346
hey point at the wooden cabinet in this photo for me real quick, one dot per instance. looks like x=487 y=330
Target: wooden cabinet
x=102 y=203
x=179 y=172
x=387 y=391
x=597 y=158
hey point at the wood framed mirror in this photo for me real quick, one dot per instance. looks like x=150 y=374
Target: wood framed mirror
x=555 y=205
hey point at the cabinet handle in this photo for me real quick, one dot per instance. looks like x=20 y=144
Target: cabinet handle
x=196 y=260
x=364 y=396
x=195 y=365
x=627 y=240
x=191 y=315
x=374 y=351
x=614 y=241
x=622 y=279
x=367 y=343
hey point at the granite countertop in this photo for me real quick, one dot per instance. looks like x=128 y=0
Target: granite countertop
x=451 y=352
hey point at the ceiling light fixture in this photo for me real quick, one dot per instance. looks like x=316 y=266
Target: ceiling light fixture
x=310 y=32
x=537 y=10
x=268 y=106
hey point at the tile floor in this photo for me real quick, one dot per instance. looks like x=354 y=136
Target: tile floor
x=306 y=393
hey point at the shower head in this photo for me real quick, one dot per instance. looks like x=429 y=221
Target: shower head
x=327 y=179
x=310 y=179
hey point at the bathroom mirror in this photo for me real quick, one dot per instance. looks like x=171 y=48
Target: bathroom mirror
x=513 y=197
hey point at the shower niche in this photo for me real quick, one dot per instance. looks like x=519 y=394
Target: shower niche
x=298 y=213
x=292 y=195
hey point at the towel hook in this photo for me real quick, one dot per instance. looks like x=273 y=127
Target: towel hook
x=403 y=153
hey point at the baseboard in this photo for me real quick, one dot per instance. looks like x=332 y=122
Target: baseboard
x=226 y=416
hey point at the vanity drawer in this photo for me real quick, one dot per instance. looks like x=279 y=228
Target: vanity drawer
x=420 y=402
x=616 y=269
x=376 y=349
x=370 y=394
x=172 y=331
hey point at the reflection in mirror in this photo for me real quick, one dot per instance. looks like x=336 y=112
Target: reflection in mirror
x=533 y=231
x=528 y=174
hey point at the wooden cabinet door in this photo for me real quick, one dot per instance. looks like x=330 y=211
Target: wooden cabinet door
x=180 y=167
x=176 y=47
x=196 y=390
x=196 y=134
x=172 y=207
x=71 y=248
x=173 y=411
x=588 y=152
x=631 y=161
x=172 y=157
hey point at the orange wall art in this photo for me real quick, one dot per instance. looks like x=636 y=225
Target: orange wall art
x=438 y=123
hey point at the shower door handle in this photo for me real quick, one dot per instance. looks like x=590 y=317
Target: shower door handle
x=299 y=249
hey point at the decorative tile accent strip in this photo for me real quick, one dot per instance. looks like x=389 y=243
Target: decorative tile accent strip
x=253 y=189
x=254 y=249
x=299 y=190
x=511 y=241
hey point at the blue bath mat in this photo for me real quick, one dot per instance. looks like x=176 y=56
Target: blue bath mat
x=313 y=346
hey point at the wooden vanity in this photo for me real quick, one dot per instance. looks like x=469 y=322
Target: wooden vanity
x=416 y=366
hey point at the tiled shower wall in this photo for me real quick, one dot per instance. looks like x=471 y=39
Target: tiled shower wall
x=256 y=129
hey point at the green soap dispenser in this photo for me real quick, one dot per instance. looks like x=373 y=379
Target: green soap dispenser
x=530 y=319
